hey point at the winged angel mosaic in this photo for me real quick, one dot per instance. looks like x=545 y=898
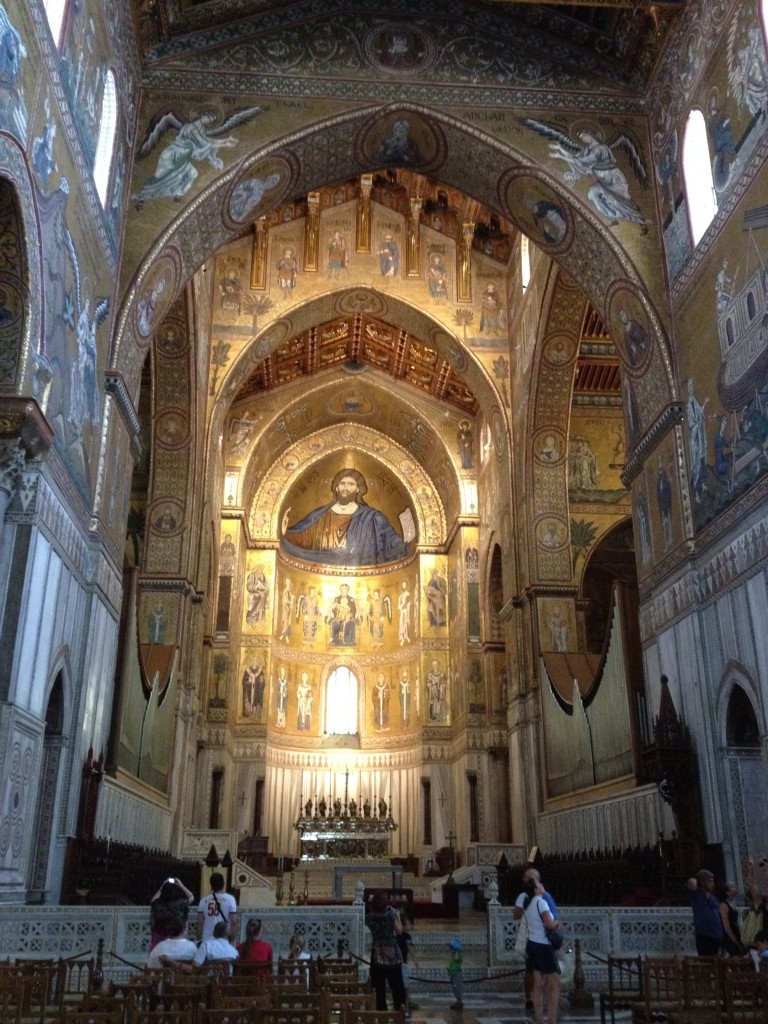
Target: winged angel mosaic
x=589 y=155
x=195 y=140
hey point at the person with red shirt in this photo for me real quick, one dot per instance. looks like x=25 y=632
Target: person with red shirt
x=255 y=950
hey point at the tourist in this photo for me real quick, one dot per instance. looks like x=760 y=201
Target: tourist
x=456 y=973
x=296 y=950
x=707 y=923
x=729 y=916
x=254 y=950
x=216 y=948
x=169 y=905
x=174 y=949
x=518 y=911
x=217 y=907
x=386 y=959
x=539 y=954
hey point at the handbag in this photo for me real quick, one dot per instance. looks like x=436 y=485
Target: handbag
x=386 y=953
x=555 y=936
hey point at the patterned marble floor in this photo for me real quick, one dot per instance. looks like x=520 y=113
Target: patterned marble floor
x=504 y=1008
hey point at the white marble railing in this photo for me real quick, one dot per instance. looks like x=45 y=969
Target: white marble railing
x=66 y=931
x=623 y=931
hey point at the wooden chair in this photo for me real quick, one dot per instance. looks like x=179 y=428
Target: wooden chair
x=304 y=977
x=221 y=995
x=306 y=970
x=338 y=1006
x=92 y=1015
x=248 y=969
x=376 y=1017
x=625 y=986
x=143 y=988
x=184 y=992
x=291 y=1015
x=226 y=1015
x=176 y=1015
x=289 y=997
x=327 y=983
x=73 y=981
x=217 y=968
x=26 y=992
x=745 y=998
x=702 y=991
x=662 y=990
x=338 y=967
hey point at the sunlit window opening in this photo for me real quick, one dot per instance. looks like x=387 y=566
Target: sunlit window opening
x=525 y=260
x=341 y=702
x=697 y=176
x=54 y=12
x=105 y=147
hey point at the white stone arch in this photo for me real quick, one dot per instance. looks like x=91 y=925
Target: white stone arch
x=745 y=807
x=735 y=674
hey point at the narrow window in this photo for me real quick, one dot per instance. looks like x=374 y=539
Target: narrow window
x=258 y=806
x=426 y=801
x=54 y=12
x=217 y=785
x=525 y=260
x=697 y=175
x=474 y=810
x=341 y=702
x=105 y=147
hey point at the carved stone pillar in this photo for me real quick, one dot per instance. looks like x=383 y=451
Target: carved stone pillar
x=24 y=432
x=312 y=233
x=464 y=264
x=259 y=255
x=412 y=248
x=12 y=459
x=363 y=241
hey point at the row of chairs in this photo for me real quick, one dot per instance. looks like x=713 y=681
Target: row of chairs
x=300 y=992
x=685 y=990
x=130 y=1014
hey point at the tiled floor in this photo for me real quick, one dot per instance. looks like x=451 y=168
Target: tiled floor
x=505 y=1008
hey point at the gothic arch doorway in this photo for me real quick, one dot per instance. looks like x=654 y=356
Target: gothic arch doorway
x=43 y=880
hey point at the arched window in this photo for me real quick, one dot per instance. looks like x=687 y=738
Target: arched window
x=741 y=728
x=341 y=702
x=525 y=260
x=697 y=176
x=54 y=12
x=105 y=147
